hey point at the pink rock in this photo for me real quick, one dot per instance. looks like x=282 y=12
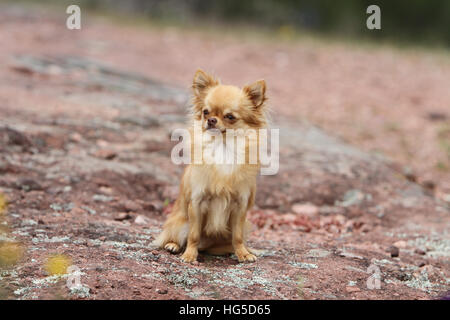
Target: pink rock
x=351 y=289
x=400 y=244
x=76 y=137
x=122 y=216
x=339 y=218
x=289 y=218
x=140 y=219
x=162 y=291
x=306 y=209
x=129 y=205
x=105 y=154
x=77 y=211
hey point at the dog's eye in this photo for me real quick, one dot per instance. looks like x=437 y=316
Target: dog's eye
x=229 y=116
x=205 y=112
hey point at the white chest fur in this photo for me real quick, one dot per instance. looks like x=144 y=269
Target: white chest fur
x=224 y=157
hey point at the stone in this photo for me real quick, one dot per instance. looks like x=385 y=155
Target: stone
x=140 y=219
x=318 y=253
x=162 y=291
x=306 y=209
x=129 y=205
x=27 y=184
x=394 y=251
x=352 y=289
x=400 y=244
x=419 y=251
x=105 y=154
x=77 y=211
x=351 y=198
x=101 y=198
x=75 y=137
x=122 y=216
x=350 y=255
x=420 y=263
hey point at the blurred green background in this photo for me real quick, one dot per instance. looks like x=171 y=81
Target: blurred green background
x=403 y=21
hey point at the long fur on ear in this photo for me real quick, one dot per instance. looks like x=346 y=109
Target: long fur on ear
x=202 y=82
x=256 y=92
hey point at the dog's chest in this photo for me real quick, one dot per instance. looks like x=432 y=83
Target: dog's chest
x=222 y=157
x=216 y=212
x=217 y=198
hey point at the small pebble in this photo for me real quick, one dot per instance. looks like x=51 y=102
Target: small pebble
x=105 y=154
x=400 y=244
x=141 y=220
x=306 y=209
x=420 y=251
x=394 y=251
x=129 y=206
x=351 y=289
x=122 y=216
x=161 y=291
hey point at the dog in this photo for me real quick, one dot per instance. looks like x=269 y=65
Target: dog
x=210 y=213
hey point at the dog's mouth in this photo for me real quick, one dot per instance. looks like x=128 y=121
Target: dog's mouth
x=214 y=129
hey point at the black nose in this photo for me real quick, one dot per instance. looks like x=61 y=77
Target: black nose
x=212 y=122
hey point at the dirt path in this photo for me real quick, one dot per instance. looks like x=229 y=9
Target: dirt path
x=84 y=164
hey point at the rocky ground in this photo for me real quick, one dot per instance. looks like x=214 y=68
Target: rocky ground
x=86 y=180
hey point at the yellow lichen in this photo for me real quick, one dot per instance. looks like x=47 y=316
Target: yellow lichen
x=10 y=253
x=57 y=264
x=3 y=204
x=300 y=287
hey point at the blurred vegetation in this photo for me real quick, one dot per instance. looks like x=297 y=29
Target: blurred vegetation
x=403 y=21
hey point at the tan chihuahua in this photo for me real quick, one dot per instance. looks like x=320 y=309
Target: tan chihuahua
x=210 y=212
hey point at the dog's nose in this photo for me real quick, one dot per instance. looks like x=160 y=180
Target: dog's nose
x=212 y=122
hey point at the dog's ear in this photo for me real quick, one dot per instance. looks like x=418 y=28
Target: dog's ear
x=256 y=92
x=202 y=81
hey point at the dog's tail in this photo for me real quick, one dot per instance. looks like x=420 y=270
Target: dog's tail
x=160 y=240
x=175 y=230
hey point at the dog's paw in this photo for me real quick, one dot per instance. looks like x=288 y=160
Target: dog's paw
x=247 y=257
x=189 y=256
x=172 y=247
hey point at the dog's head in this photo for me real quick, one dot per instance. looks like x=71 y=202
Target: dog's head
x=223 y=107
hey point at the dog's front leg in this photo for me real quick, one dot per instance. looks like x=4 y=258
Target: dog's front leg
x=193 y=239
x=238 y=219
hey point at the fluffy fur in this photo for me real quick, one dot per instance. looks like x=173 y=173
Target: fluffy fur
x=210 y=212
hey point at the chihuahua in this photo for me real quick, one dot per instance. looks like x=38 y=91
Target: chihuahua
x=210 y=213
